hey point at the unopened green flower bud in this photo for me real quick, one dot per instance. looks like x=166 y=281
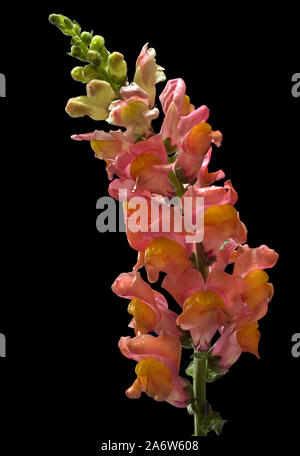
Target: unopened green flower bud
x=117 y=67
x=86 y=37
x=77 y=74
x=68 y=23
x=97 y=43
x=76 y=28
x=89 y=72
x=55 y=19
x=104 y=53
x=75 y=51
x=94 y=57
x=75 y=40
x=63 y=23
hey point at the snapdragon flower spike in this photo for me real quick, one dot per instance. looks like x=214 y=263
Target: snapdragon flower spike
x=157 y=369
x=149 y=308
x=206 y=305
x=242 y=335
x=155 y=166
x=132 y=111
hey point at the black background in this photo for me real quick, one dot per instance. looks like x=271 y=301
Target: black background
x=63 y=373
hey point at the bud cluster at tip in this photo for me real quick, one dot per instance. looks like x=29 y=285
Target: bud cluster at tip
x=90 y=48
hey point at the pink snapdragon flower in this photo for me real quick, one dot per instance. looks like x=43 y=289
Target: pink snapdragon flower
x=148 y=73
x=207 y=305
x=187 y=128
x=160 y=244
x=221 y=219
x=132 y=111
x=149 y=308
x=204 y=177
x=180 y=115
x=242 y=334
x=157 y=369
x=193 y=148
x=107 y=146
x=143 y=167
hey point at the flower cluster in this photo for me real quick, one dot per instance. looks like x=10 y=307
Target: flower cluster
x=220 y=283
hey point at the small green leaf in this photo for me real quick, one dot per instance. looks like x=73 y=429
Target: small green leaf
x=214 y=422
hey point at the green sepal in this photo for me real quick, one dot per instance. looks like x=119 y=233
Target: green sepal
x=214 y=370
x=170 y=148
x=205 y=261
x=212 y=376
x=188 y=389
x=138 y=138
x=173 y=158
x=176 y=184
x=213 y=362
x=199 y=355
x=186 y=341
x=190 y=369
x=192 y=408
x=193 y=259
x=191 y=403
x=180 y=175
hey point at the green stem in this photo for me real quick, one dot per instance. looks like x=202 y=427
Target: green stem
x=200 y=366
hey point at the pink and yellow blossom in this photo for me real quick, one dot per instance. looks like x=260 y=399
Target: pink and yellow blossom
x=149 y=308
x=157 y=369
